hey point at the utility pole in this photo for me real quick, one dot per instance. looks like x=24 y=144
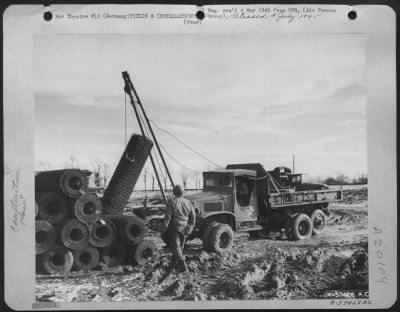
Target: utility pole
x=293 y=163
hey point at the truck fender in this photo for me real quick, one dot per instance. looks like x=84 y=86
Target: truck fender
x=217 y=216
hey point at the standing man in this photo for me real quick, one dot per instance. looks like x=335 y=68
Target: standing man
x=179 y=222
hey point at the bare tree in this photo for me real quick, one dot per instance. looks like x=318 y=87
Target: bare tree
x=145 y=173
x=42 y=165
x=342 y=179
x=363 y=179
x=165 y=178
x=184 y=176
x=360 y=178
x=106 y=174
x=153 y=178
x=198 y=179
x=72 y=162
x=97 y=167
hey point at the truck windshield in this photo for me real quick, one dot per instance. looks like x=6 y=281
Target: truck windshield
x=217 y=180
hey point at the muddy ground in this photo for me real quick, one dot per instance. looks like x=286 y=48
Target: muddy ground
x=253 y=269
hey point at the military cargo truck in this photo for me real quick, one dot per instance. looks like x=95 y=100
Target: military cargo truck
x=247 y=198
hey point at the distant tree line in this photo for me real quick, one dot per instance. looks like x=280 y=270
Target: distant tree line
x=102 y=172
x=342 y=179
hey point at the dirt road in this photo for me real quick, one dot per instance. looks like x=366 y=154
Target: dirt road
x=253 y=269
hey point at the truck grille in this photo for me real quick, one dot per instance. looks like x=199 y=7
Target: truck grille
x=215 y=206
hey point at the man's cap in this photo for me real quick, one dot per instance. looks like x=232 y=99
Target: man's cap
x=178 y=190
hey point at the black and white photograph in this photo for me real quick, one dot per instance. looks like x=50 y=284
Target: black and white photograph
x=204 y=167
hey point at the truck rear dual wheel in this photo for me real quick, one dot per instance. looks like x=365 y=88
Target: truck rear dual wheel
x=318 y=221
x=264 y=233
x=301 y=227
x=217 y=237
x=288 y=228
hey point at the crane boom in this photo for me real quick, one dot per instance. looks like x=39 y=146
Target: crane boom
x=131 y=91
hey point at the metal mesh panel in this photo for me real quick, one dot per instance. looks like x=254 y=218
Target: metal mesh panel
x=126 y=174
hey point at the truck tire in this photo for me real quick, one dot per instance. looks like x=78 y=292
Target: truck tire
x=221 y=238
x=318 y=221
x=206 y=235
x=288 y=227
x=301 y=227
x=264 y=233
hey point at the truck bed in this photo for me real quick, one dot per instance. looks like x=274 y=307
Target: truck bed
x=302 y=198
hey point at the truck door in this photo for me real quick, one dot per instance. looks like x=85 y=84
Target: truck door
x=245 y=199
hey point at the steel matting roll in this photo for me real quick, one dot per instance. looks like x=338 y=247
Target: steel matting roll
x=53 y=207
x=102 y=233
x=143 y=252
x=86 y=259
x=75 y=234
x=58 y=259
x=131 y=229
x=67 y=181
x=45 y=236
x=126 y=174
x=115 y=254
x=88 y=208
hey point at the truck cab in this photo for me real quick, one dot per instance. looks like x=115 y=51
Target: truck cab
x=293 y=181
x=228 y=196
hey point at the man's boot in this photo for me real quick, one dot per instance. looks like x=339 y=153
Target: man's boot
x=172 y=265
x=181 y=266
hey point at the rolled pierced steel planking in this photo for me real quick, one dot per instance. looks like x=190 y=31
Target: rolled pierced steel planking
x=71 y=182
x=75 y=234
x=143 y=252
x=36 y=209
x=45 y=236
x=131 y=229
x=88 y=208
x=53 y=207
x=126 y=174
x=102 y=233
x=86 y=259
x=58 y=259
x=115 y=254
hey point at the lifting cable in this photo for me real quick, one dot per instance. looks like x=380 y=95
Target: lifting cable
x=273 y=181
x=183 y=166
x=268 y=175
x=146 y=130
x=183 y=143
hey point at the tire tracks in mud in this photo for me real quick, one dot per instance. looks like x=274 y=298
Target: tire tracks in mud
x=253 y=269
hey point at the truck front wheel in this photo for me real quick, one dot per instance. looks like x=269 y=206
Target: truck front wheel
x=206 y=235
x=318 y=221
x=221 y=238
x=301 y=227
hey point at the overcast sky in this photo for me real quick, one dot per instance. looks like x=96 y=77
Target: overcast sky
x=232 y=98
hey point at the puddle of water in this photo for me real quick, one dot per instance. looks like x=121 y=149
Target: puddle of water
x=345 y=253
